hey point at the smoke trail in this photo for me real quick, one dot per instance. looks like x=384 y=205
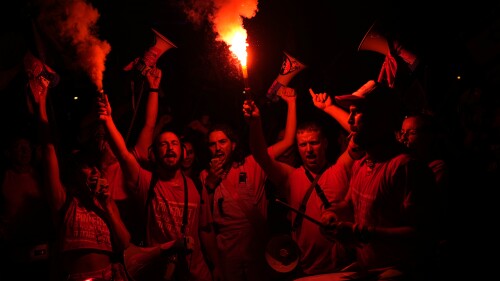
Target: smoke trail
x=226 y=16
x=74 y=22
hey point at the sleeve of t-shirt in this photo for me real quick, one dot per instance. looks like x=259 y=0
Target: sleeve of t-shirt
x=141 y=189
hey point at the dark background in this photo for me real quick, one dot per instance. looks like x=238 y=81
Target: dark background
x=201 y=77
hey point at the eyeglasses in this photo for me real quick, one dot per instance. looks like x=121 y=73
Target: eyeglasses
x=410 y=132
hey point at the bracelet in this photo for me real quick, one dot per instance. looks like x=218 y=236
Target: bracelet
x=154 y=90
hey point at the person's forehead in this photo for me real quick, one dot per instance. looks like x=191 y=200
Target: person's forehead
x=168 y=136
x=413 y=122
x=217 y=135
x=308 y=135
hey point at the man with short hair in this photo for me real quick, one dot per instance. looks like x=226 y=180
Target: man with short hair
x=310 y=188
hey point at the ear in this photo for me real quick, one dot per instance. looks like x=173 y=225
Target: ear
x=152 y=154
x=183 y=151
x=233 y=146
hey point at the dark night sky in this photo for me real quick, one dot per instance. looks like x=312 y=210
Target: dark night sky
x=199 y=77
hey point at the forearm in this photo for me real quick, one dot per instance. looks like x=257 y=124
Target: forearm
x=210 y=245
x=340 y=115
x=146 y=135
x=257 y=141
x=369 y=233
x=55 y=191
x=290 y=129
x=118 y=229
x=128 y=163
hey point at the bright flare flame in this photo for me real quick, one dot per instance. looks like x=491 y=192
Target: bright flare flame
x=227 y=19
x=238 y=46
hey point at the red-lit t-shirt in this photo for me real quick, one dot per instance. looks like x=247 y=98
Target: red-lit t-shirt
x=167 y=207
x=318 y=254
x=237 y=234
x=397 y=192
x=84 y=229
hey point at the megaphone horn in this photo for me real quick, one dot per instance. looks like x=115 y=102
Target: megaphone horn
x=282 y=253
x=151 y=56
x=35 y=70
x=374 y=41
x=289 y=69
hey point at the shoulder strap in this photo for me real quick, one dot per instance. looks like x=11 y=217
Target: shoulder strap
x=151 y=192
x=185 y=211
x=314 y=183
x=318 y=188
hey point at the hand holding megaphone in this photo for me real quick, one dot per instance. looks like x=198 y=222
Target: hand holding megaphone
x=40 y=75
x=289 y=68
x=148 y=60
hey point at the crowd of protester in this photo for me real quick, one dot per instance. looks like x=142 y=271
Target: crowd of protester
x=365 y=186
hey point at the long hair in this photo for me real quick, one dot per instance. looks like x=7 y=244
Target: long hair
x=154 y=147
x=238 y=154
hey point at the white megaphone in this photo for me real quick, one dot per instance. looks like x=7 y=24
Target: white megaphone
x=376 y=42
x=151 y=56
x=282 y=253
x=35 y=70
x=289 y=68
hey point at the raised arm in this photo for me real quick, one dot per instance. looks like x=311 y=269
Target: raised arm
x=145 y=139
x=276 y=171
x=55 y=190
x=324 y=102
x=128 y=162
x=121 y=236
x=290 y=97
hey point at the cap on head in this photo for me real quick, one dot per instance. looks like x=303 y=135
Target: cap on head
x=371 y=93
x=358 y=96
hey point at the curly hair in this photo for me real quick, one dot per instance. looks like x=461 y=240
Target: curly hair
x=238 y=154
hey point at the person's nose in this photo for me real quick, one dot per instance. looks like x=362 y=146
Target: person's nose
x=350 y=119
x=403 y=134
x=309 y=148
x=169 y=147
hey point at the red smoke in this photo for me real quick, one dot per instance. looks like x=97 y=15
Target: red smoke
x=74 y=22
